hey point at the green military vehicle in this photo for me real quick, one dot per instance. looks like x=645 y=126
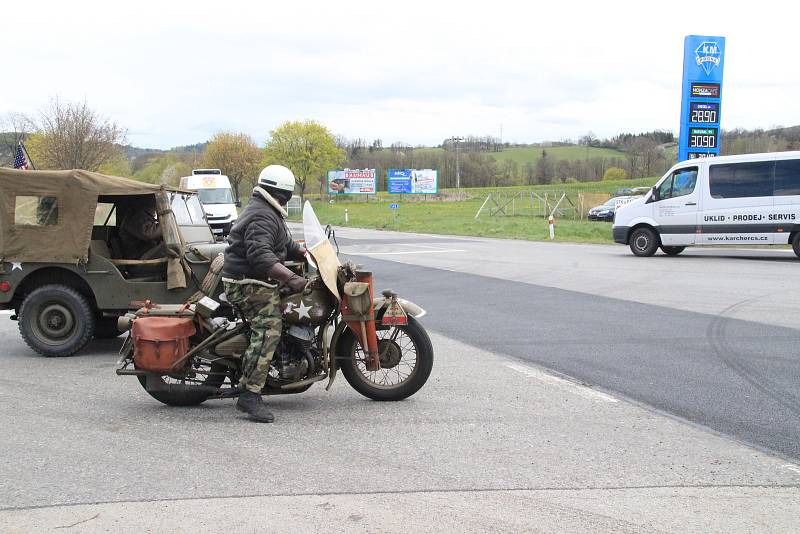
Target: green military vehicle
x=64 y=265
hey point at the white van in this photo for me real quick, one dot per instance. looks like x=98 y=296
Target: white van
x=214 y=190
x=752 y=199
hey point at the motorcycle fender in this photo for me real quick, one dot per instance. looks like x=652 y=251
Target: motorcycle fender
x=333 y=351
x=412 y=309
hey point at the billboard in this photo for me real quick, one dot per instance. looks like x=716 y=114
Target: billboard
x=703 y=60
x=352 y=182
x=413 y=181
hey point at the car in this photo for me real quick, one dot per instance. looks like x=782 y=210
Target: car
x=604 y=212
x=62 y=270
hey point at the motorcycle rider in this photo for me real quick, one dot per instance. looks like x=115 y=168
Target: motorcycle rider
x=258 y=244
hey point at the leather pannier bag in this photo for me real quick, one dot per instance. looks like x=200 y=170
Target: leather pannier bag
x=358 y=298
x=159 y=342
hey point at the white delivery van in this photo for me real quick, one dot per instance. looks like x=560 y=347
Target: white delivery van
x=752 y=199
x=214 y=190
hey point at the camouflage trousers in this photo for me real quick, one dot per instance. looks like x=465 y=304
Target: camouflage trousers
x=260 y=306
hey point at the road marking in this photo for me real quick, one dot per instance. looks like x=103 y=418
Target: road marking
x=791 y=467
x=541 y=376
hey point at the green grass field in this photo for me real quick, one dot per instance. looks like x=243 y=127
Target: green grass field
x=569 y=153
x=523 y=155
x=457 y=218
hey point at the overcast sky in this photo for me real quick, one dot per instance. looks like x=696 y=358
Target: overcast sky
x=175 y=73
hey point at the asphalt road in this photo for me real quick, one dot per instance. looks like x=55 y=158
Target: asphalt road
x=737 y=377
x=493 y=442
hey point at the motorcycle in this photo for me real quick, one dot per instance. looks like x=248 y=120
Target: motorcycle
x=186 y=354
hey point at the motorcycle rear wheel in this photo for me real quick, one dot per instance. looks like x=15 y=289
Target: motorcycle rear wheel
x=405 y=367
x=177 y=392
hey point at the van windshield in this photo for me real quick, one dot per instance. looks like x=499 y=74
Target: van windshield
x=220 y=195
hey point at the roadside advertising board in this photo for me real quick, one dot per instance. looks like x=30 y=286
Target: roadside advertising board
x=413 y=181
x=703 y=60
x=352 y=182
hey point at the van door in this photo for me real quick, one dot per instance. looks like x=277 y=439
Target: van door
x=676 y=207
x=739 y=204
x=787 y=199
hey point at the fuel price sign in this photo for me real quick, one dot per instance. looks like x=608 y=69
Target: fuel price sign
x=703 y=60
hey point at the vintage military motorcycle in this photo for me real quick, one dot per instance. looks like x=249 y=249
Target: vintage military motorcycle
x=186 y=354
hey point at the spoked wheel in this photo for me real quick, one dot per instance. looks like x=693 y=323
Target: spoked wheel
x=406 y=362
x=192 y=388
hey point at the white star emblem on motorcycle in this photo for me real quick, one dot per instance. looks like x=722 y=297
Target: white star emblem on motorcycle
x=16 y=265
x=303 y=310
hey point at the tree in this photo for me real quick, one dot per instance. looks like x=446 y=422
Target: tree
x=308 y=148
x=72 y=136
x=615 y=173
x=237 y=155
x=544 y=169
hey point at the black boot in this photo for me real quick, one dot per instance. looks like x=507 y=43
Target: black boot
x=251 y=403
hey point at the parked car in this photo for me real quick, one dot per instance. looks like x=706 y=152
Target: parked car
x=603 y=212
x=63 y=270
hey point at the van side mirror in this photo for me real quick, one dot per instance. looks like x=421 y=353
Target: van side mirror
x=655 y=193
x=238 y=203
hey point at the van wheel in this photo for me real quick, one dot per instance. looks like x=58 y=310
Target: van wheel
x=796 y=244
x=643 y=242
x=672 y=251
x=56 y=320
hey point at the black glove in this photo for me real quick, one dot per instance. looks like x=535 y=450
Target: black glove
x=282 y=274
x=297 y=284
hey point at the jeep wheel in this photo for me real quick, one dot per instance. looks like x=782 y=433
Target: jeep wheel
x=56 y=320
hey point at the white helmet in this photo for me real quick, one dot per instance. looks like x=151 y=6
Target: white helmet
x=277 y=177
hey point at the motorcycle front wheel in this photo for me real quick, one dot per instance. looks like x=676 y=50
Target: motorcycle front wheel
x=406 y=362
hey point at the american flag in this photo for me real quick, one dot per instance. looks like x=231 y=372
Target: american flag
x=20 y=161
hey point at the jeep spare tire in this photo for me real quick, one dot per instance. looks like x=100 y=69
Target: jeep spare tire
x=56 y=320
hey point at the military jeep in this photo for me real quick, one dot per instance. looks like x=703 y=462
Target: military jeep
x=64 y=270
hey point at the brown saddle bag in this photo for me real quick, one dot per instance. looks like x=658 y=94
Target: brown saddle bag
x=159 y=342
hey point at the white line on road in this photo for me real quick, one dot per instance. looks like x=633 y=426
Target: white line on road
x=532 y=372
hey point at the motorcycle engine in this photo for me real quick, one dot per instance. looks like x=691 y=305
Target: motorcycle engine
x=296 y=357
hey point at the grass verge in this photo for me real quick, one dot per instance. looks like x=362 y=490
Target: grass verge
x=457 y=218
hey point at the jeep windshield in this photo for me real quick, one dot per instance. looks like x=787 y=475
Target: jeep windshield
x=191 y=218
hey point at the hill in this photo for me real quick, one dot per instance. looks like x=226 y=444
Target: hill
x=532 y=154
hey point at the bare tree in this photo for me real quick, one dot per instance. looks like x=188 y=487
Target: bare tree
x=73 y=136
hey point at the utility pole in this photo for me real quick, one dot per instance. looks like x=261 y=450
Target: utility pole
x=456 y=140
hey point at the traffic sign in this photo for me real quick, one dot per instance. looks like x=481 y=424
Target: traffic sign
x=393 y=206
